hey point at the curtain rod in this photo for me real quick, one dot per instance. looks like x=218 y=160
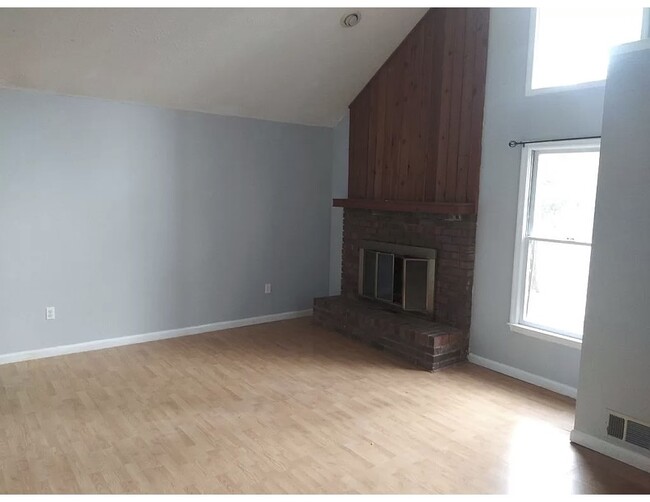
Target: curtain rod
x=514 y=143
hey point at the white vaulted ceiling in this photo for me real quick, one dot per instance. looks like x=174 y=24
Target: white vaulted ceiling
x=290 y=65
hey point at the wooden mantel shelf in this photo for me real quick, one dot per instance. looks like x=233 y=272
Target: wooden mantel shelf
x=407 y=206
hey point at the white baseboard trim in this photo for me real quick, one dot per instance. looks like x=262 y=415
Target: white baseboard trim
x=611 y=450
x=147 y=337
x=545 y=383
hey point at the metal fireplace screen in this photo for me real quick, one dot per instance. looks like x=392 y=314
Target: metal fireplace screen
x=403 y=276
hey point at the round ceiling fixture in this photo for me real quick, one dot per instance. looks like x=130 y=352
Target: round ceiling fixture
x=350 y=20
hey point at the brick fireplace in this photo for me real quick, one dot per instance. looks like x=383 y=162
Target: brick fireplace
x=427 y=341
x=453 y=240
x=413 y=180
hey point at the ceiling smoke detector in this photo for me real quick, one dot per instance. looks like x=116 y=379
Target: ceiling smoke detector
x=350 y=20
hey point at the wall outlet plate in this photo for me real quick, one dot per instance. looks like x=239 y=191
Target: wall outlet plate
x=50 y=313
x=267 y=288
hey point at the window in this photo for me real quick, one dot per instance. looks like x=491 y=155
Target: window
x=553 y=248
x=570 y=46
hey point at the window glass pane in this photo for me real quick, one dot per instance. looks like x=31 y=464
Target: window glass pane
x=556 y=286
x=572 y=45
x=564 y=195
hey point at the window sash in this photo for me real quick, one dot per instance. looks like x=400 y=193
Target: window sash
x=534 y=165
x=524 y=235
x=532 y=40
x=558 y=241
x=524 y=290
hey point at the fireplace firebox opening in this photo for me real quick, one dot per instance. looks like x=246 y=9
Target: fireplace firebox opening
x=398 y=275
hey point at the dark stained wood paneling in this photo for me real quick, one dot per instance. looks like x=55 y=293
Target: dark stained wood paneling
x=415 y=129
x=407 y=206
x=390 y=125
x=359 y=124
x=411 y=158
x=380 y=144
x=458 y=27
x=465 y=114
x=445 y=106
x=433 y=72
x=481 y=23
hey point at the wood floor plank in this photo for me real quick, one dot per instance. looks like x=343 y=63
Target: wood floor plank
x=285 y=407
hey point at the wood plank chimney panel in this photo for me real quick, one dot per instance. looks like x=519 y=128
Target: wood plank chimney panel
x=415 y=129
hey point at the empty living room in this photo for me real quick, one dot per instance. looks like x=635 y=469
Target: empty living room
x=262 y=248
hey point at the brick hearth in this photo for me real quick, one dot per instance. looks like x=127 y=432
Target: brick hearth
x=422 y=342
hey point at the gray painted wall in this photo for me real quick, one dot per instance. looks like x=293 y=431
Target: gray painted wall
x=131 y=219
x=340 y=148
x=510 y=114
x=615 y=366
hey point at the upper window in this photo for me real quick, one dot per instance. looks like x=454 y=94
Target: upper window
x=571 y=45
x=556 y=215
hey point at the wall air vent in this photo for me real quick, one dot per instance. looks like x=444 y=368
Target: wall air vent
x=638 y=434
x=629 y=430
x=616 y=426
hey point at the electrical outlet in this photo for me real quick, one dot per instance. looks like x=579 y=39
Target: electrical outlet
x=267 y=288
x=50 y=313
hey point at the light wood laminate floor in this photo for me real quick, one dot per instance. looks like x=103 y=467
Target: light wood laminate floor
x=285 y=407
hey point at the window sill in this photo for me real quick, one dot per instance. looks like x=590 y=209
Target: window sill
x=546 y=335
x=592 y=84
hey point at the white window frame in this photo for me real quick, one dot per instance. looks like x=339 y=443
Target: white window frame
x=532 y=31
x=522 y=239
